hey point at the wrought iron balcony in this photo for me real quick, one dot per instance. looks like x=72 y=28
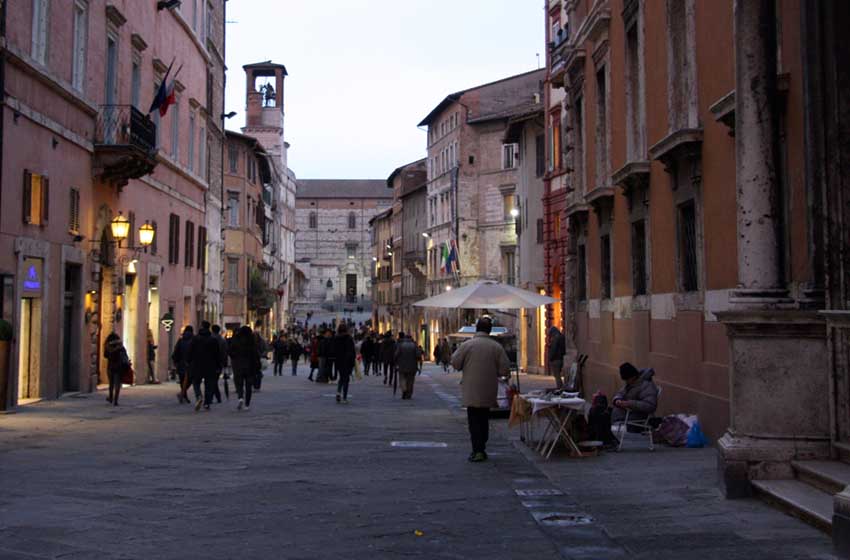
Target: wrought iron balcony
x=124 y=145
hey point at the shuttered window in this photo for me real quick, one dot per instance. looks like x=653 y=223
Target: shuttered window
x=74 y=211
x=36 y=194
x=189 y=257
x=155 y=238
x=202 y=248
x=173 y=239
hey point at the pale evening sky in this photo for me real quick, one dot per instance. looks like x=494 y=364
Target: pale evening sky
x=363 y=74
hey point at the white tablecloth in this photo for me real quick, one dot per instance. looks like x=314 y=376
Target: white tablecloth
x=575 y=403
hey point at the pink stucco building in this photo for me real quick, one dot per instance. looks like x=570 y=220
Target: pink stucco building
x=78 y=149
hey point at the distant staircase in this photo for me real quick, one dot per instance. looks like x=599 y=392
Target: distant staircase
x=809 y=495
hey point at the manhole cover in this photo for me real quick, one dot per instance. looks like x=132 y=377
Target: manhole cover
x=419 y=444
x=562 y=519
x=538 y=492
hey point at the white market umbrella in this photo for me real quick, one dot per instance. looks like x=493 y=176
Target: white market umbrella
x=486 y=294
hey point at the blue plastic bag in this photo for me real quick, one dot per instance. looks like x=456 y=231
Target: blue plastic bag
x=695 y=436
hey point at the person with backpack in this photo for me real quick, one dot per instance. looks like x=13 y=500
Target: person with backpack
x=180 y=356
x=245 y=362
x=118 y=363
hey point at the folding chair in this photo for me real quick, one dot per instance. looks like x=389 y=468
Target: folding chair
x=643 y=425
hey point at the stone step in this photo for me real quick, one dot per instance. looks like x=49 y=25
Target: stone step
x=830 y=476
x=843 y=451
x=798 y=499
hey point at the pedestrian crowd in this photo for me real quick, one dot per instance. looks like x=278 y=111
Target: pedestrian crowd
x=335 y=353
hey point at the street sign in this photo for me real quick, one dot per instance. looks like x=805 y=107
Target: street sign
x=167 y=322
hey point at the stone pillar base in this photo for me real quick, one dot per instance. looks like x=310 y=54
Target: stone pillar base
x=743 y=458
x=841 y=523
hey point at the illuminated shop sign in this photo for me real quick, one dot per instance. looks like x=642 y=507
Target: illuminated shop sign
x=33 y=270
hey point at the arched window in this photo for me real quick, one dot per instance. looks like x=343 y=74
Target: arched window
x=352 y=220
x=314 y=220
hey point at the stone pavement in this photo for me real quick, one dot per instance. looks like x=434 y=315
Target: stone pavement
x=301 y=477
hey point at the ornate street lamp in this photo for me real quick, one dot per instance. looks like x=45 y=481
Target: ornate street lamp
x=146 y=234
x=120 y=228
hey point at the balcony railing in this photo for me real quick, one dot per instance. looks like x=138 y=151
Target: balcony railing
x=124 y=125
x=125 y=144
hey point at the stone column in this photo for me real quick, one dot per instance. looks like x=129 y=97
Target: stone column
x=759 y=244
x=778 y=389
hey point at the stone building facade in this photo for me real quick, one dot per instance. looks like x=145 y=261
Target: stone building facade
x=703 y=213
x=398 y=253
x=265 y=110
x=214 y=150
x=248 y=183
x=381 y=230
x=413 y=194
x=526 y=131
x=333 y=245
x=472 y=181
x=79 y=78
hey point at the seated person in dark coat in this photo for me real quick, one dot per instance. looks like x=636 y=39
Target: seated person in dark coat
x=639 y=396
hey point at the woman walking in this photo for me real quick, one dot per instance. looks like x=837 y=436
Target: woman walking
x=344 y=360
x=314 y=356
x=245 y=363
x=118 y=362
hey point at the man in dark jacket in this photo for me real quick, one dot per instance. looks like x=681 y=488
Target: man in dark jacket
x=180 y=357
x=295 y=351
x=639 y=396
x=326 y=353
x=367 y=352
x=388 y=357
x=204 y=365
x=555 y=358
x=406 y=359
x=280 y=349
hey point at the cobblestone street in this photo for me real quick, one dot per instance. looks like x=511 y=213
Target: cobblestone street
x=299 y=476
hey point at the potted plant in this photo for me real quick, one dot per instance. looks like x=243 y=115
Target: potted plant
x=6 y=333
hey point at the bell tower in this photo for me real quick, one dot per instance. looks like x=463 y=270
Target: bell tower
x=264 y=107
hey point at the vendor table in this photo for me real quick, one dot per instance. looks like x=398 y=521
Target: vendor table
x=558 y=412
